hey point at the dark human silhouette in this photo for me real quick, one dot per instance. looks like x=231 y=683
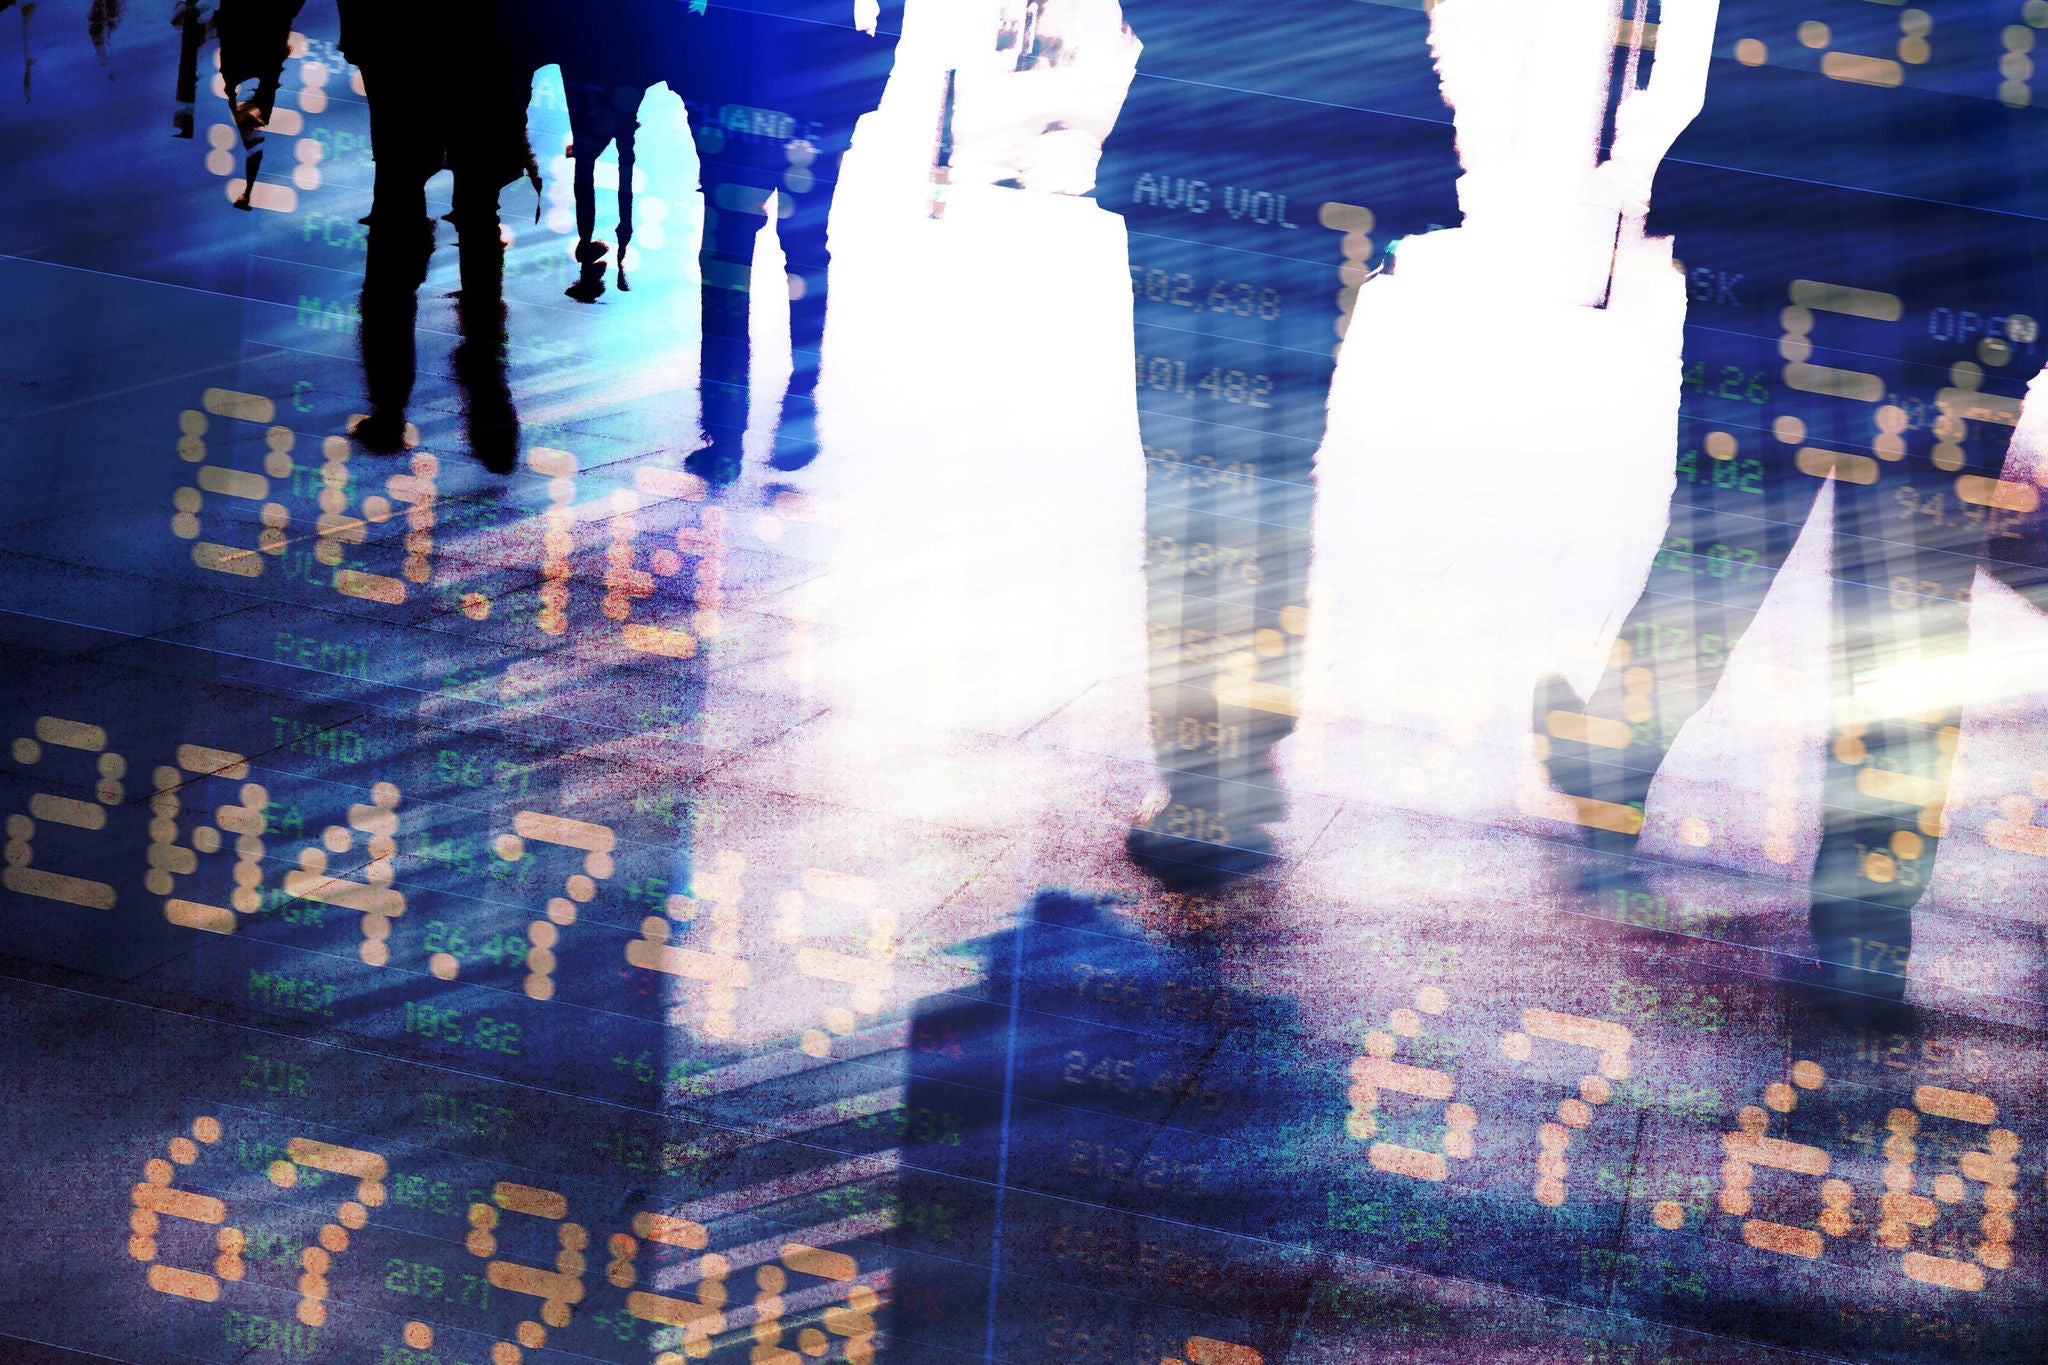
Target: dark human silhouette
x=28 y=61
x=448 y=87
x=193 y=23
x=1233 y=1083
x=609 y=58
x=491 y=420
x=772 y=101
x=255 y=40
x=100 y=22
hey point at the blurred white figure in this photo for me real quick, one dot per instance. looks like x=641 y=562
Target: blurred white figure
x=1495 y=475
x=1019 y=93
x=1034 y=112
x=975 y=630
x=930 y=658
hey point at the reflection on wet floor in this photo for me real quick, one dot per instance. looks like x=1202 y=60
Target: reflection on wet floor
x=719 y=892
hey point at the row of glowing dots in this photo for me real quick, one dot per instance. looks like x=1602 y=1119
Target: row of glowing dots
x=222 y=138
x=2016 y=65
x=20 y=875
x=335 y=528
x=246 y=821
x=1638 y=706
x=1881 y=865
x=1963 y=396
x=1781 y=814
x=1900 y=1209
x=155 y=1199
x=2013 y=831
x=1746 y=1148
x=373 y=897
x=559 y=1291
x=718 y=886
x=870 y=975
x=1355 y=221
x=1913 y=49
x=1376 y=1071
x=622 y=581
x=378 y=902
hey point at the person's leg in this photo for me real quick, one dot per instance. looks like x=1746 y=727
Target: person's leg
x=399 y=248
x=243 y=114
x=480 y=247
x=807 y=186
x=1887 y=785
x=626 y=103
x=1905 y=563
x=191 y=37
x=829 y=80
x=1737 y=512
x=586 y=143
x=487 y=150
x=735 y=194
x=479 y=358
x=401 y=241
x=263 y=103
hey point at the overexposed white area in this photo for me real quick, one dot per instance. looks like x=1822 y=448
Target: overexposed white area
x=983 y=501
x=981 y=491
x=950 y=602
x=1481 y=519
x=942 y=620
x=1984 y=927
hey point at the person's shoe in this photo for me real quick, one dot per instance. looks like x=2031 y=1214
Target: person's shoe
x=792 y=453
x=494 y=443
x=379 y=433
x=717 y=463
x=589 y=286
x=181 y=122
x=796 y=440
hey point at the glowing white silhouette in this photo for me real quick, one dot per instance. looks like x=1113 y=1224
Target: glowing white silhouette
x=1494 y=479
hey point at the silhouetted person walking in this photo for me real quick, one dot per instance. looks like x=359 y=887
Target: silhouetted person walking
x=772 y=101
x=193 y=24
x=448 y=86
x=255 y=40
x=609 y=55
x=1913 y=520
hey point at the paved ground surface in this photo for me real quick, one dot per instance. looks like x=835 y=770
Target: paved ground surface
x=590 y=913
